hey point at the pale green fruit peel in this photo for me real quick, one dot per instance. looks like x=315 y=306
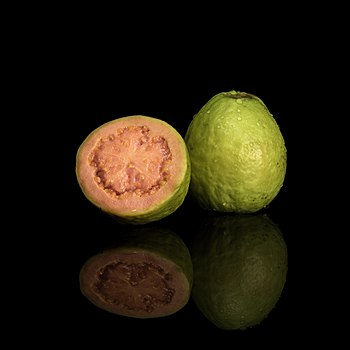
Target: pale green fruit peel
x=238 y=154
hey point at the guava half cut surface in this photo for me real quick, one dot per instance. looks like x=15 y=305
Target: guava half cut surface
x=135 y=168
x=147 y=274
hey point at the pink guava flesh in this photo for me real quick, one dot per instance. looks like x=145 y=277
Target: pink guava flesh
x=131 y=161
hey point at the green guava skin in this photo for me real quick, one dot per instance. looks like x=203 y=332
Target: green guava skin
x=238 y=154
x=240 y=265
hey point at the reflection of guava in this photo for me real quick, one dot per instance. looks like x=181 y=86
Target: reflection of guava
x=240 y=268
x=147 y=274
x=136 y=168
x=237 y=152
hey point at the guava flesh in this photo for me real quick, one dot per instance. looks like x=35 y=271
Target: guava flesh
x=121 y=167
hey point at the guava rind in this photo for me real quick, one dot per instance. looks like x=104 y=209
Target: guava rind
x=238 y=154
x=160 y=208
x=240 y=267
x=160 y=244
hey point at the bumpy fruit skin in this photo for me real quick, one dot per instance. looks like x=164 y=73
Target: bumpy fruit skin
x=240 y=266
x=124 y=201
x=147 y=273
x=237 y=152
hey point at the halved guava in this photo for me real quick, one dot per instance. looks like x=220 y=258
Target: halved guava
x=136 y=168
x=240 y=267
x=238 y=154
x=147 y=274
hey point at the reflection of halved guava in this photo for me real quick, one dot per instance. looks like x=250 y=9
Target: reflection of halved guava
x=237 y=152
x=136 y=168
x=240 y=267
x=148 y=273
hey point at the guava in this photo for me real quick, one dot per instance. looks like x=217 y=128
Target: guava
x=148 y=273
x=135 y=168
x=240 y=265
x=238 y=154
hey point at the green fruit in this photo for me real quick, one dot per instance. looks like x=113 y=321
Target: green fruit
x=237 y=152
x=240 y=269
x=147 y=274
x=135 y=168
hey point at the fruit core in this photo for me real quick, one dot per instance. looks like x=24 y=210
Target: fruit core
x=131 y=160
x=132 y=285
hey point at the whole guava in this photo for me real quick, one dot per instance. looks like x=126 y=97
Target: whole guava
x=238 y=154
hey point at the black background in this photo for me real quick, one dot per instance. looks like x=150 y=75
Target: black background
x=88 y=78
